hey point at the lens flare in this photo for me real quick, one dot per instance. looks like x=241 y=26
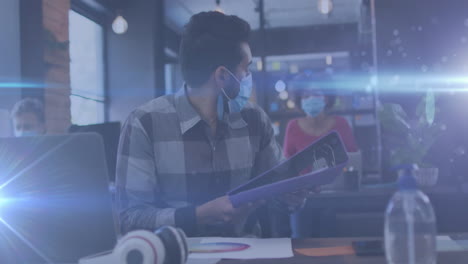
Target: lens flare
x=28 y=196
x=400 y=83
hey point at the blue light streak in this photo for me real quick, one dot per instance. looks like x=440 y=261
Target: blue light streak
x=20 y=85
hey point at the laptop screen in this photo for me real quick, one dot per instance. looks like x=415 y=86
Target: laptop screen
x=55 y=204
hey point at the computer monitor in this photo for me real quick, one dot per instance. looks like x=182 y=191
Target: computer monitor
x=55 y=206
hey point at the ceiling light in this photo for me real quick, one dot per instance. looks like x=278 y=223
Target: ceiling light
x=325 y=6
x=120 y=25
x=291 y=104
x=218 y=7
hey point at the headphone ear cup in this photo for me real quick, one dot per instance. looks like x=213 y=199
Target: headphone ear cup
x=175 y=244
x=183 y=239
x=140 y=247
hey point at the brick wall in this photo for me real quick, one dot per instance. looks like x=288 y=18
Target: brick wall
x=57 y=60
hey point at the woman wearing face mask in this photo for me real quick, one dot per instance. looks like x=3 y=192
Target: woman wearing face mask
x=316 y=100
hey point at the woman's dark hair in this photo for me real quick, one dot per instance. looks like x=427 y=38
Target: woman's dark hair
x=210 y=40
x=313 y=82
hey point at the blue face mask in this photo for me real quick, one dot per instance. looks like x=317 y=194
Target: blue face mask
x=313 y=106
x=238 y=103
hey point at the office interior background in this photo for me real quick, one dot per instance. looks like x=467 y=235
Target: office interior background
x=400 y=70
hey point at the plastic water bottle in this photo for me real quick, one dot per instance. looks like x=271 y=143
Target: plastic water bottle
x=410 y=225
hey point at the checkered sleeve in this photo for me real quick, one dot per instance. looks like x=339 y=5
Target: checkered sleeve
x=139 y=199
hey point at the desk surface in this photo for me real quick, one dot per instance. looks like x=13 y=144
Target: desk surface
x=364 y=211
x=443 y=258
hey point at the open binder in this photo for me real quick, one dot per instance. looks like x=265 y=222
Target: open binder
x=286 y=177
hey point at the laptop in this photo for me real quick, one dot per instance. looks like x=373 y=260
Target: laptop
x=55 y=206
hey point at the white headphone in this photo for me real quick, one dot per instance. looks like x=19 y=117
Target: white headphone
x=166 y=246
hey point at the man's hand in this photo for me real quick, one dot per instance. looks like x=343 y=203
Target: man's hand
x=221 y=210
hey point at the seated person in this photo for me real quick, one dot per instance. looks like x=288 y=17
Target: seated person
x=316 y=102
x=28 y=118
x=180 y=154
x=316 y=99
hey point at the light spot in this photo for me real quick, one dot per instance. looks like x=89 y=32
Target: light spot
x=284 y=95
x=280 y=86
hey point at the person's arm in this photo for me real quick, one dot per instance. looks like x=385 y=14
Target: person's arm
x=139 y=199
x=288 y=146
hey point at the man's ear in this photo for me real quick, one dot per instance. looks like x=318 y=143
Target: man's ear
x=221 y=77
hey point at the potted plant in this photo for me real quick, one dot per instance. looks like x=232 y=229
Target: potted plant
x=407 y=140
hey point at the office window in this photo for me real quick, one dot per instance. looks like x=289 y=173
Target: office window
x=86 y=70
x=173 y=78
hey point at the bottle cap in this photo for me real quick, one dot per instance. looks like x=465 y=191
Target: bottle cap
x=407 y=180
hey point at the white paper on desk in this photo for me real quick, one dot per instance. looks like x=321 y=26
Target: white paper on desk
x=202 y=261
x=259 y=248
x=193 y=241
x=446 y=244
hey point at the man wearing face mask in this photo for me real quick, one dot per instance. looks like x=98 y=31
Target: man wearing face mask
x=180 y=154
x=28 y=118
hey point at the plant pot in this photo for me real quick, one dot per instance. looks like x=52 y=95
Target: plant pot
x=426 y=177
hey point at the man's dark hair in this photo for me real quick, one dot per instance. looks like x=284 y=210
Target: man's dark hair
x=210 y=40
x=29 y=105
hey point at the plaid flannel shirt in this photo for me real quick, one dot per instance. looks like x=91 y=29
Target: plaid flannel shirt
x=168 y=163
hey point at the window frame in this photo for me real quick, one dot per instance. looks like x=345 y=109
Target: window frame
x=100 y=18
